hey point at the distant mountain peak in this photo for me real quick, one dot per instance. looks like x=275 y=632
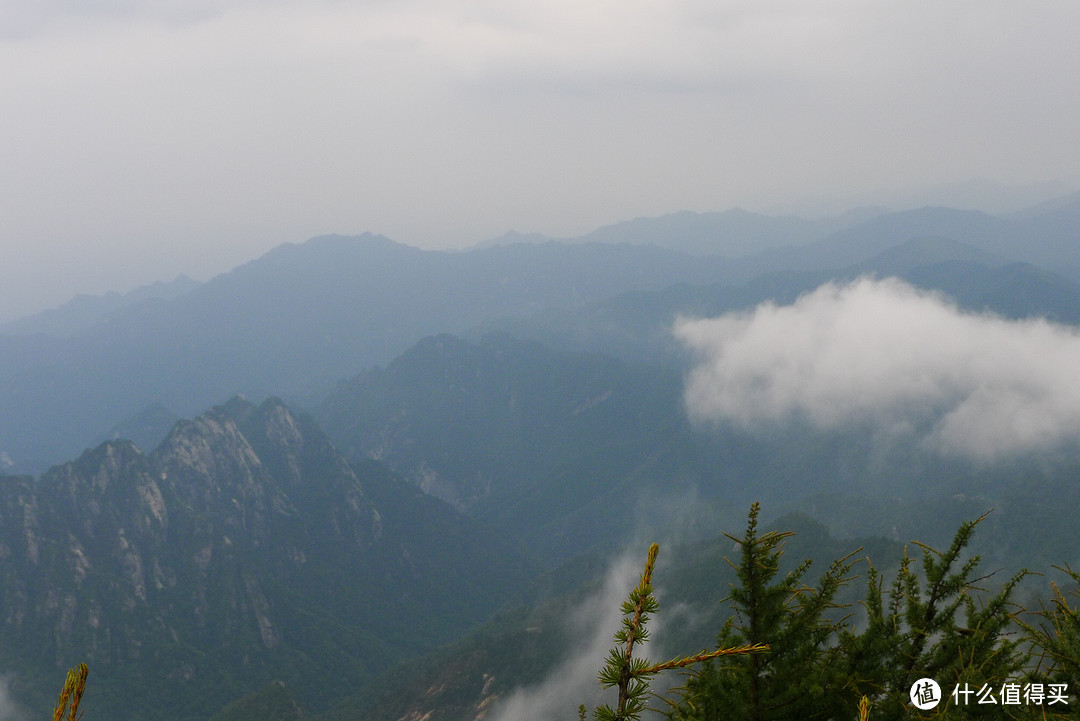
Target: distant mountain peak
x=209 y=445
x=513 y=237
x=337 y=242
x=83 y=312
x=731 y=233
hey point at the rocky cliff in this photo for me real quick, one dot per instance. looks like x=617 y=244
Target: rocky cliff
x=243 y=549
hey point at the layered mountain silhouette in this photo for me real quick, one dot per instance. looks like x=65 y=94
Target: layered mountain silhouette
x=291 y=323
x=295 y=321
x=85 y=311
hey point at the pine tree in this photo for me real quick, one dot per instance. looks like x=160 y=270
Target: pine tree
x=918 y=634
x=631 y=674
x=799 y=676
x=937 y=624
x=1055 y=639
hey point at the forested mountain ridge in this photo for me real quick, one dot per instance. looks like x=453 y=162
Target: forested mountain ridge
x=570 y=451
x=552 y=447
x=461 y=418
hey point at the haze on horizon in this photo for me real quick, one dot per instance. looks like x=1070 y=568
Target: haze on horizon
x=142 y=139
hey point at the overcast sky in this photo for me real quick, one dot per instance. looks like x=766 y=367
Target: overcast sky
x=140 y=139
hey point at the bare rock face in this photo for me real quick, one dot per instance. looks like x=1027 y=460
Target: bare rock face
x=102 y=544
x=242 y=549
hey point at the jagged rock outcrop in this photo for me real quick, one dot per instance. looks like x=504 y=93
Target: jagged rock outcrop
x=243 y=549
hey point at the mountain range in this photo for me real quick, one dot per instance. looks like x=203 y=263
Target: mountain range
x=463 y=434
x=295 y=321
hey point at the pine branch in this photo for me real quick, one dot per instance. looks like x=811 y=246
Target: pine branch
x=684 y=661
x=631 y=675
x=74 y=685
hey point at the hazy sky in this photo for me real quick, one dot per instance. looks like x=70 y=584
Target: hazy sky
x=141 y=139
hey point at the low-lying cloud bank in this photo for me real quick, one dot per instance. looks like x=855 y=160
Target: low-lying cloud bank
x=884 y=354
x=573 y=682
x=10 y=709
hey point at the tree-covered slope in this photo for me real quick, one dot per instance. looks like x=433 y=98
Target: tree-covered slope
x=568 y=451
x=531 y=440
x=542 y=657
x=836 y=625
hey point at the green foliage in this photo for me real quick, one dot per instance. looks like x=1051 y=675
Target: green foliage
x=541 y=444
x=937 y=624
x=71 y=694
x=1056 y=636
x=273 y=702
x=918 y=632
x=857 y=659
x=797 y=677
x=631 y=675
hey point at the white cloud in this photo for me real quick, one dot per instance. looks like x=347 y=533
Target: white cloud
x=881 y=353
x=10 y=709
x=574 y=681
